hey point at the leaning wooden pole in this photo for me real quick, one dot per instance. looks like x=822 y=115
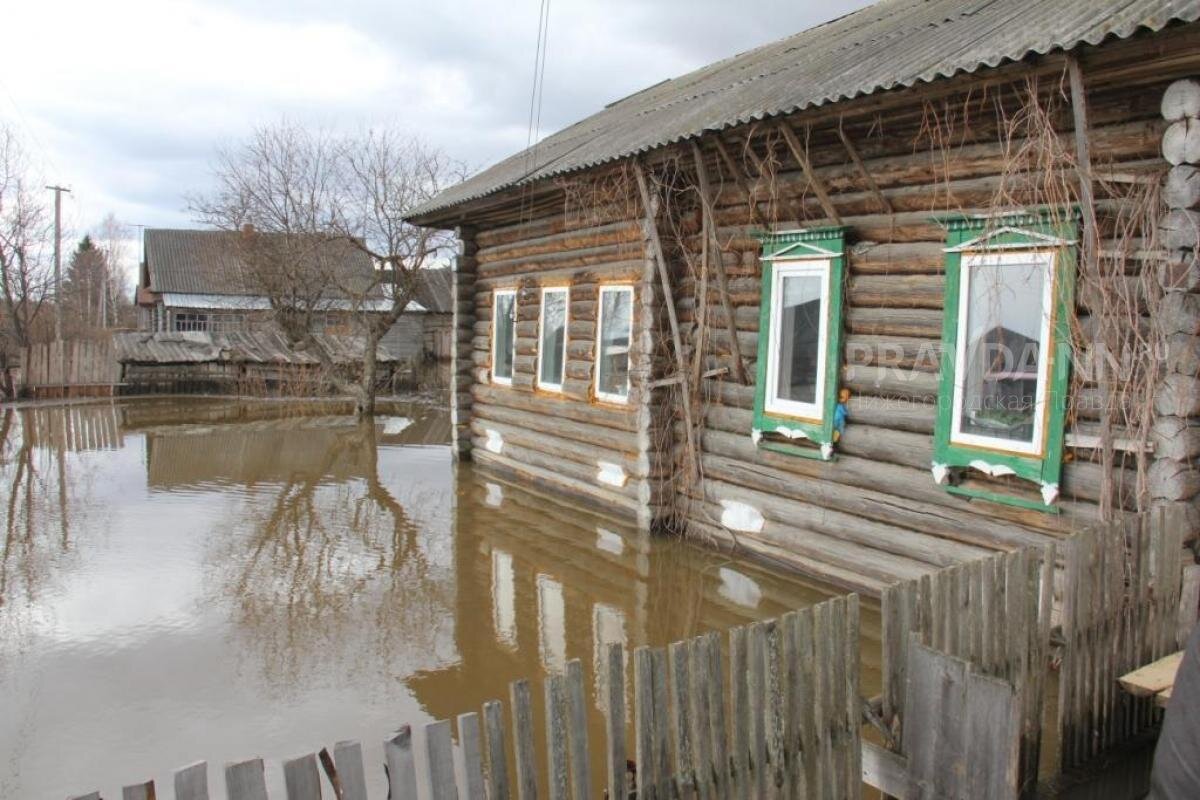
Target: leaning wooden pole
x=649 y=209
x=813 y=179
x=710 y=234
x=1089 y=265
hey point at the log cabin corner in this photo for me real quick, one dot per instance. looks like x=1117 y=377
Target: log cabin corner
x=878 y=298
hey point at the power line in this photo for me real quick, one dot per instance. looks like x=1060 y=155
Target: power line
x=535 y=95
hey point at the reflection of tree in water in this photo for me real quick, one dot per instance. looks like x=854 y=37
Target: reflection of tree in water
x=334 y=575
x=39 y=493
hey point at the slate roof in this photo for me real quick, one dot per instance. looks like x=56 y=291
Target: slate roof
x=207 y=261
x=435 y=291
x=894 y=43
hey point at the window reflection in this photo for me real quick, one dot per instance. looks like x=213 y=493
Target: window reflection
x=504 y=600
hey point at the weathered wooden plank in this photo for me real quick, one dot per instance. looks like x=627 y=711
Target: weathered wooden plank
x=191 y=782
x=400 y=761
x=807 y=689
x=885 y=770
x=643 y=718
x=739 y=711
x=614 y=720
x=993 y=736
x=439 y=761
x=756 y=689
x=1152 y=678
x=851 y=654
x=790 y=678
x=934 y=717
x=88 y=796
x=577 y=738
x=680 y=716
x=523 y=747
x=246 y=780
x=662 y=721
x=348 y=761
x=469 y=757
x=138 y=791
x=1189 y=603
x=558 y=778
x=497 y=758
x=301 y=778
x=775 y=714
x=716 y=713
x=698 y=700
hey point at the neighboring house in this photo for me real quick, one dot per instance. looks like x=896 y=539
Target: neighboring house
x=634 y=275
x=425 y=329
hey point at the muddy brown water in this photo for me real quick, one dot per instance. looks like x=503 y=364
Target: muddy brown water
x=187 y=580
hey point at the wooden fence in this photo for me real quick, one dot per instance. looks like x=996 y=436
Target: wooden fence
x=1121 y=606
x=792 y=731
x=71 y=368
x=994 y=614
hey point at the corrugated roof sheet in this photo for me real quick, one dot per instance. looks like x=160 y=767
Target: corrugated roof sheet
x=894 y=43
x=208 y=262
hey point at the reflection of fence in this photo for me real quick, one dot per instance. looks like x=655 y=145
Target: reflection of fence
x=71 y=368
x=792 y=696
x=73 y=427
x=1120 y=611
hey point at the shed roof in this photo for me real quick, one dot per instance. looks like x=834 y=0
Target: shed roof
x=191 y=261
x=892 y=44
x=263 y=347
x=435 y=290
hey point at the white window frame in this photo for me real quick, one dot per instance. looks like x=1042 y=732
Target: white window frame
x=565 y=291
x=1046 y=259
x=610 y=397
x=774 y=404
x=496 y=295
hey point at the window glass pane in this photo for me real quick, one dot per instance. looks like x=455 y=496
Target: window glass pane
x=1003 y=341
x=616 y=313
x=554 y=334
x=504 y=312
x=799 y=340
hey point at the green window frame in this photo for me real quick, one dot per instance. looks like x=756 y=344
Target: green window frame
x=780 y=424
x=1025 y=241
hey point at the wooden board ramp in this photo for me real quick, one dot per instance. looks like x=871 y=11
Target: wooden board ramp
x=792 y=732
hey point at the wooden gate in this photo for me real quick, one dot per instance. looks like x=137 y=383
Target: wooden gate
x=994 y=614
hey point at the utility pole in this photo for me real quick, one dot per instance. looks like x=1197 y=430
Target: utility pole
x=58 y=190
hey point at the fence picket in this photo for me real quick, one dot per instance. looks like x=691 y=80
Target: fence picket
x=439 y=761
x=698 y=698
x=470 y=757
x=497 y=756
x=678 y=658
x=523 y=740
x=614 y=720
x=138 y=791
x=643 y=715
x=716 y=717
x=739 y=709
x=556 y=738
x=191 y=782
x=245 y=780
x=301 y=778
x=577 y=736
x=348 y=761
x=401 y=765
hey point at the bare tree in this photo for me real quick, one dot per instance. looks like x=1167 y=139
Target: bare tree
x=303 y=203
x=25 y=272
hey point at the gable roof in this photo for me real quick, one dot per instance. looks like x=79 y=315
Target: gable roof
x=208 y=262
x=892 y=44
x=435 y=291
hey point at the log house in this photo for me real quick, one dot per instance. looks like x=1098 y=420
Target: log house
x=860 y=178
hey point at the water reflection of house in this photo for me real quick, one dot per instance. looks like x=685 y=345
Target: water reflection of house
x=543 y=583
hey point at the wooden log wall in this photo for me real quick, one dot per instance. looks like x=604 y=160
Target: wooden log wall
x=779 y=717
x=604 y=453
x=462 y=371
x=875 y=516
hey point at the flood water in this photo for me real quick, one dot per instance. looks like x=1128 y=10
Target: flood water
x=215 y=580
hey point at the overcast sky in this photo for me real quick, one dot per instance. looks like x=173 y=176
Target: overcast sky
x=125 y=101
